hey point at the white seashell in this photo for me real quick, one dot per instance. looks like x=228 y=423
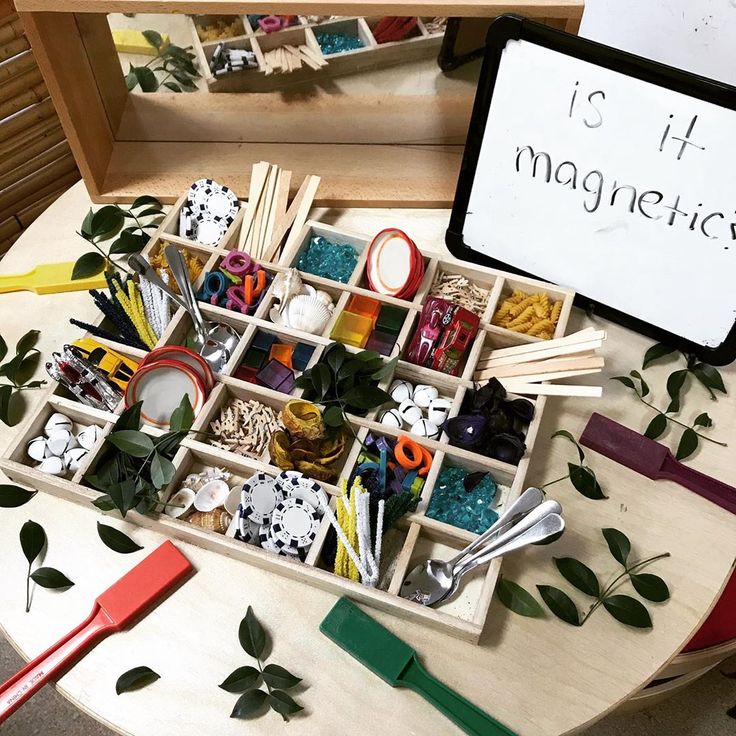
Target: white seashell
x=401 y=390
x=325 y=298
x=438 y=411
x=233 y=500
x=425 y=428
x=308 y=314
x=211 y=495
x=57 y=421
x=391 y=418
x=184 y=497
x=52 y=465
x=287 y=284
x=276 y=316
x=89 y=436
x=308 y=290
x=410 y=412
x=73 y=458
x=59 y=441
x=423 y=395
x=37 y=449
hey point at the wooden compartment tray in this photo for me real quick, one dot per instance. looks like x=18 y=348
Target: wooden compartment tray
x=417 y=535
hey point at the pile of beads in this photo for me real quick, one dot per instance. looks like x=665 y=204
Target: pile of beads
x=245 y=427
x=59 y=450
x=531 y=314
x=329 y=260
x=421 y=409
x=457 y=288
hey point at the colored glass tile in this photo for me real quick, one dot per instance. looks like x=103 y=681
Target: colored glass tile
x=390 y=319
x=364 y=306
x=254 y=358
x=263 y=341
x=454 y=505
x=381 y=342
x=301 y=356
x=334 y=261
x=282 y=352
x=352 y=329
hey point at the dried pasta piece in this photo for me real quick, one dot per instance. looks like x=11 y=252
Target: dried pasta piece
x=525 y=327
x=502 y=312
x=555 y=313
x=522 y=307
x=544 y=325
x=526 y=316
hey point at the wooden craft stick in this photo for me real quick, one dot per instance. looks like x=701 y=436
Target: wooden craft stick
x=308 y=189
x=538 y=377
x=551 y=389
x=552 y=365
x=582 y=336
x=258 y=175
x=282 y=201
x=552 y=352
x=269 y=208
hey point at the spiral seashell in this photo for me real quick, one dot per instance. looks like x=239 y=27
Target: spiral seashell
x=216 y=521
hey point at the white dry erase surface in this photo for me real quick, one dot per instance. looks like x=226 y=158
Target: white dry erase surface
x=621 y=189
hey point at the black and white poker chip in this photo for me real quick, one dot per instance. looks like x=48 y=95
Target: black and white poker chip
x=294 y=484
x=259 y=498
x=269 y=543
x=247 y=530
x=210 y=230
x=294 y=523
x=222 y=203
x=200 y=190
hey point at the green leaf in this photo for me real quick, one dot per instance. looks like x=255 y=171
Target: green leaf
x=154 y=38
x=90 y=264
x=568 y=436
x=625 y=380
x=367 y=355
x=162 y=471
x=674 y=386
x=618 y=544
x=242 y=679
x=130 y=418
x=251 y=634
x=49 y=577
x=348 y=369
x=656 y=352
x=628 y=611
x=656 y=427
x=131 y=80
x=32 y=540
x=86 y=228
x=560 y=604
x=123 y=494
x=709 y=377
x=146 y=78
x=322 y=380
x=283 y=703
x=182 y=417
x=173 y=86
x=131 y=441
x=335 y=356
x=578 y=574
x=11 y=497
x=644 y=385
x=27 y=342
x=305 y=381
x=107 y=222
x=687 y=445
x=249 y=703
x=128 y=243
x=144 y=200
x=386 y=369
x=278 y=677
x=116 y=540
x=585 y=482
x=517 y=599
x=6 y=391
x=150 y=212
x=366 y=396
x=649 y=586
x=104 y=502
x=703 y=420
x=333 y=417
x=135 y=679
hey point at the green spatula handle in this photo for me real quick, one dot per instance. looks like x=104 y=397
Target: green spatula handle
x=470 y=718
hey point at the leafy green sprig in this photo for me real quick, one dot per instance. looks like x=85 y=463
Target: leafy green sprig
x=32 y=542
x=106 y=223
x=136 y=466
x=18 y=371
x=581 y=475
x=624 y=608
x=175 y=70
x=246 y=679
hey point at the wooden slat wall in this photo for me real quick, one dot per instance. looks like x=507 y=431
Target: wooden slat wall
x=36 y=164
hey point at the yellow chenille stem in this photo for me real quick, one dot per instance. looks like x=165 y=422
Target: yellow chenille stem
x=354 y=573
x=135 y=298
x=129 y=308
x=341 y=567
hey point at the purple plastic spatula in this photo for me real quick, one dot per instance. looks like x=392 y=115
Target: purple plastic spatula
x=651 y=459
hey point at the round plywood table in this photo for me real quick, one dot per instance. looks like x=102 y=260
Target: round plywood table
x=538 y=676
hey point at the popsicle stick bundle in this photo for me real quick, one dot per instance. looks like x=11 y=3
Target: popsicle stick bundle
x=527 y=369
x=267 y=218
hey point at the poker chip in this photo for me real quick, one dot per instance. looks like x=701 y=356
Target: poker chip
x=259 y=498
x=294 y=523
x=294 y=484
x=271 y=544
x=222 y=203
x=210 y=231
x=200 y=190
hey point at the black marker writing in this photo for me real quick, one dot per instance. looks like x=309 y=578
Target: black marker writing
x=685 y=141
x=596 y=119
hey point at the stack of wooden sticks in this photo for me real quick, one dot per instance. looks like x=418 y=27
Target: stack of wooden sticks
x=268 y=216
x=525 y=369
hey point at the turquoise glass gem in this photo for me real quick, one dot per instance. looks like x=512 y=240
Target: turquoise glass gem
x=329 y=260
x=452 y=504
x=337 y=43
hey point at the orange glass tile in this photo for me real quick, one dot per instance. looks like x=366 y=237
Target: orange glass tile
x=352 y=329
x=282 y=352
x=364 y=306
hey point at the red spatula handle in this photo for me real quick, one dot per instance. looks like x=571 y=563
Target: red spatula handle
x=53 y=662
x=714 y=490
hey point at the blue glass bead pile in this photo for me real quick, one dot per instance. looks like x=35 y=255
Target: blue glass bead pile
x=337 y=43
x=329 y=260
x=452 y=504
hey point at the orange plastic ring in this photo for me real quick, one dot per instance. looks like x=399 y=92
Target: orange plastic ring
x=415 y=450
x=427 y=460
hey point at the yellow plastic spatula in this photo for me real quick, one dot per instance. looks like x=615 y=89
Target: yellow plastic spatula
x=50 y=278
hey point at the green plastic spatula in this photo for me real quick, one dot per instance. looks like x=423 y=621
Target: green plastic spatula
x=396 y=662
x=50 y=278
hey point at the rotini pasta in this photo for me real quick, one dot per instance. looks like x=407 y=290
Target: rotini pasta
x=531 y=314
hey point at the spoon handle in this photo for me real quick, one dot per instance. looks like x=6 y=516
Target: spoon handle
x=141 y=266
x=527 y=501
x=179 y=269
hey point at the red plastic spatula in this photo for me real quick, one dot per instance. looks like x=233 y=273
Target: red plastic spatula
x=651 y=459
x=131 y=597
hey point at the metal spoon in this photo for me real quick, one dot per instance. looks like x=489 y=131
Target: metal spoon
x=432 y=580
x=215 y=341
x=443 y=569
x=142 y=267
